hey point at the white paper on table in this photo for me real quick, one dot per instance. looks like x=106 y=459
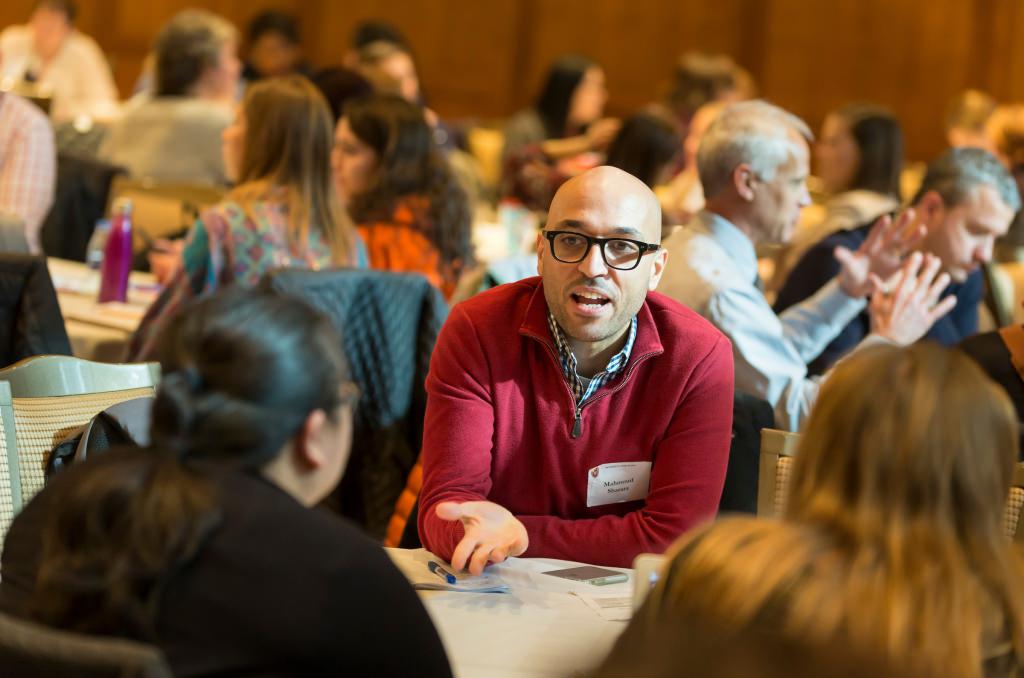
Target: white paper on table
x=611 y=608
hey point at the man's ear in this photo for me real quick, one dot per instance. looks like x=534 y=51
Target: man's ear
x=743 y=178
x=658 y=269
x=309 y=445
x=930 y=209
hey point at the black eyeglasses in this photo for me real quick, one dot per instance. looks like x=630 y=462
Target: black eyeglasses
x=621 y=254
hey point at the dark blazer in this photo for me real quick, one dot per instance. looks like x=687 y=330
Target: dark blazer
x=277 y=589
x=818 y=266
x=30 y=319
x=83 y=186
x=989 y=351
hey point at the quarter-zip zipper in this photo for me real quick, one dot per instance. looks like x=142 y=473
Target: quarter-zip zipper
x=577 y=424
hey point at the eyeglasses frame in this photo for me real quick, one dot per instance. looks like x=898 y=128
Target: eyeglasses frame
x=644 y=247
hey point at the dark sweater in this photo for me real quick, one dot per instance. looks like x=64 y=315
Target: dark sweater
x=278 y=589
x=990 y=352
x=818 y=266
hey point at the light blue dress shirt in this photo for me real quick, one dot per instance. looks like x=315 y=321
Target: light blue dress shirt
x=712 y=268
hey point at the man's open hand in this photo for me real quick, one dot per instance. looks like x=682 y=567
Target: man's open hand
x=880 y=256
x=492 y=533
x=906 y=308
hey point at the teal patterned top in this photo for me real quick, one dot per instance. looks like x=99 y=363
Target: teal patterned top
x=231 y=245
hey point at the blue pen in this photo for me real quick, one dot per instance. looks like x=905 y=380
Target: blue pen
x=441 y=572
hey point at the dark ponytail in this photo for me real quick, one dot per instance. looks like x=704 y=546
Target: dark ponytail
x=242 y=371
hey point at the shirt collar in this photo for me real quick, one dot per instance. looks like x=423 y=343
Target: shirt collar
x=568 y=359
x=731 y=239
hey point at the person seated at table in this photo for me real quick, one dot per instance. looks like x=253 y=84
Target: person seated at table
x=966 y=200
x=368 y=32
x=282 y=213
x=206 y=543
x=893 y=541
x=742 y=571
x=274 y=47
x=702 y=78
x=50 y=54
x=578 y=415
x=999 y=353
x=753 y=163
x=28 y=167
x=858 y=161
x=338 y=85
x=174 y=135
x=967 y=120
x=683 y=197
x=646 y=146
x=410 y=211
x=565 y=120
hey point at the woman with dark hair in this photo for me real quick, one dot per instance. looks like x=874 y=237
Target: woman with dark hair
x=566 y=116
x=410 y=211
x=339 y=84
x=206 y=544
x=283 y=211
x=274 y=47
x=646 y=147
x=858 y=162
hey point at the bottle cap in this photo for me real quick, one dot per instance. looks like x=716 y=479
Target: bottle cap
x=122 y=206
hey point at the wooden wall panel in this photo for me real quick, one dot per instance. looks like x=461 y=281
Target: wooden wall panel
x=486 y=59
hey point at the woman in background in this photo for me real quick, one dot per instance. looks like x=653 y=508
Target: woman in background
x=566 y=119
x=895 y=542
x=410 y=211
x=646 y=146
x=283 y=211
x=858 y=161
x=206 y=544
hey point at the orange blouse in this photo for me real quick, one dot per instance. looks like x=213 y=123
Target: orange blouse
x=400 y=245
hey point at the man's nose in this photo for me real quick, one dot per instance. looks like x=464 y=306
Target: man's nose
x=805 y=196
x=983 y=254
x=593 y=264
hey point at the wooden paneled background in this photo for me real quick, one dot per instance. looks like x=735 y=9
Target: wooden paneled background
x=484 y=58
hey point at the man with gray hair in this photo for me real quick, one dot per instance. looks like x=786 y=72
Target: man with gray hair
x=753 y=165
x=175 y=135
x=966 y=200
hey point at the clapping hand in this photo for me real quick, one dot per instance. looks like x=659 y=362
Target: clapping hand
x=879 y=256
x=492 y=533
x=905 y=310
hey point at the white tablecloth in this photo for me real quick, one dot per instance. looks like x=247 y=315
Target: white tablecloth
x=540 y=628
x=98 y=331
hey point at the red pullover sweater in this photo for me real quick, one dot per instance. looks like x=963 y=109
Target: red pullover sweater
x=500 y=416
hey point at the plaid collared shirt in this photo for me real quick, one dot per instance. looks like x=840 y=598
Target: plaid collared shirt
x=615 y=365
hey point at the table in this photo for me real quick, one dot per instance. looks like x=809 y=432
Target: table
x=538 y=629
x=98 y=331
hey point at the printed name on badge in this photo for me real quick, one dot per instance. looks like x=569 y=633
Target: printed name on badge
x=618 y=482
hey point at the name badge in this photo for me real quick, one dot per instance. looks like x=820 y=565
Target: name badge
x=616 y=483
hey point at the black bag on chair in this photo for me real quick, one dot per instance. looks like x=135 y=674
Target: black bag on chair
x=30 y=316
x=126 y=423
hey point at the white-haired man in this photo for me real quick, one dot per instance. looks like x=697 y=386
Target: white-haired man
x=753 y=166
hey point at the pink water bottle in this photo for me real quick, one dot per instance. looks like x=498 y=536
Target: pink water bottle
x=117 y=255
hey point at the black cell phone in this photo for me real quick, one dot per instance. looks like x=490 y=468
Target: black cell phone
x=598 y=576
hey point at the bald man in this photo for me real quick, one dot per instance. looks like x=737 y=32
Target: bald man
x=579 y=415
